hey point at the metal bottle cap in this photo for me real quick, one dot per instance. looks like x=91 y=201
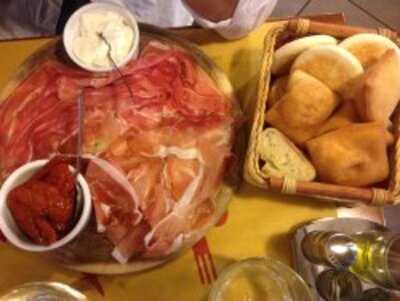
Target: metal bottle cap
x=340 y=250
x=335 y=285
x=333 y=249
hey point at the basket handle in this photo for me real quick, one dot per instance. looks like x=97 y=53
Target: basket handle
x=300 y=26
x=352 y=195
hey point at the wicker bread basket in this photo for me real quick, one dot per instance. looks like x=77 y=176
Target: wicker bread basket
x=377 y=196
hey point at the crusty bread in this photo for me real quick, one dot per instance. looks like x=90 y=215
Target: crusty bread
x=282 y=158
x=308 y=101
x=377 y=93
x=297 y=135
x=354 y=155
x=306 y=104
x=368 y=47
x=343 y=116
x=278 y=89
x=331 y=64
x=285 y=55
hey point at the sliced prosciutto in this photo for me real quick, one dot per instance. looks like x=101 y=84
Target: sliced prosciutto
x=158 y=150
x=174 y=173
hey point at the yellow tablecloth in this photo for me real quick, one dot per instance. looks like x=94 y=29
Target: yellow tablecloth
x=257 y=225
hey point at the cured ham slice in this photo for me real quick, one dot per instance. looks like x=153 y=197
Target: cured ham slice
x=174 y=173
x=179 y=174
x=36 y=132
x=115 y=196
x=157 y=149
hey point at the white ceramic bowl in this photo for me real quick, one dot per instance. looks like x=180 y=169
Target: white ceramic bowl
x=72 y=27
x=10 y=229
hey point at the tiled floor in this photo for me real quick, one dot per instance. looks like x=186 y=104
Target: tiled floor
x=286 y=8
x=388 y=11
x=352 y=14
x=370 y=13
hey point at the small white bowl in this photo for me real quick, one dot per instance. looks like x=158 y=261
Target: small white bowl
x=72 y=28
x=11 y=230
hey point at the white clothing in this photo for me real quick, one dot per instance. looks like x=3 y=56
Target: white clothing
x=249 y=14
x=27 y=18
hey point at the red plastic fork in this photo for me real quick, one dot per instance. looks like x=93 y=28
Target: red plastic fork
x=204 y=262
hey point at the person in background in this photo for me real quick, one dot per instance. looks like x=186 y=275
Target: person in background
x=231 y=18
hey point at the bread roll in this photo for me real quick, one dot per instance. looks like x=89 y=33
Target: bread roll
x=282 y=158
x=308 y=101
x=303 y=108
x=331 y=64
x=353 y=155
x=343 y=116
x=278 y=89
x=377 y=93
x=285 y=55
x=298 y=135
x=368 y=47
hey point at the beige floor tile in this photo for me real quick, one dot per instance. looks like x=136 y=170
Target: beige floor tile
x=386 y=10
x=354 y=16
x=286 y=8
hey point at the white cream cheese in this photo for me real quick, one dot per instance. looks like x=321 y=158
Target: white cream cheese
x=91 y=49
